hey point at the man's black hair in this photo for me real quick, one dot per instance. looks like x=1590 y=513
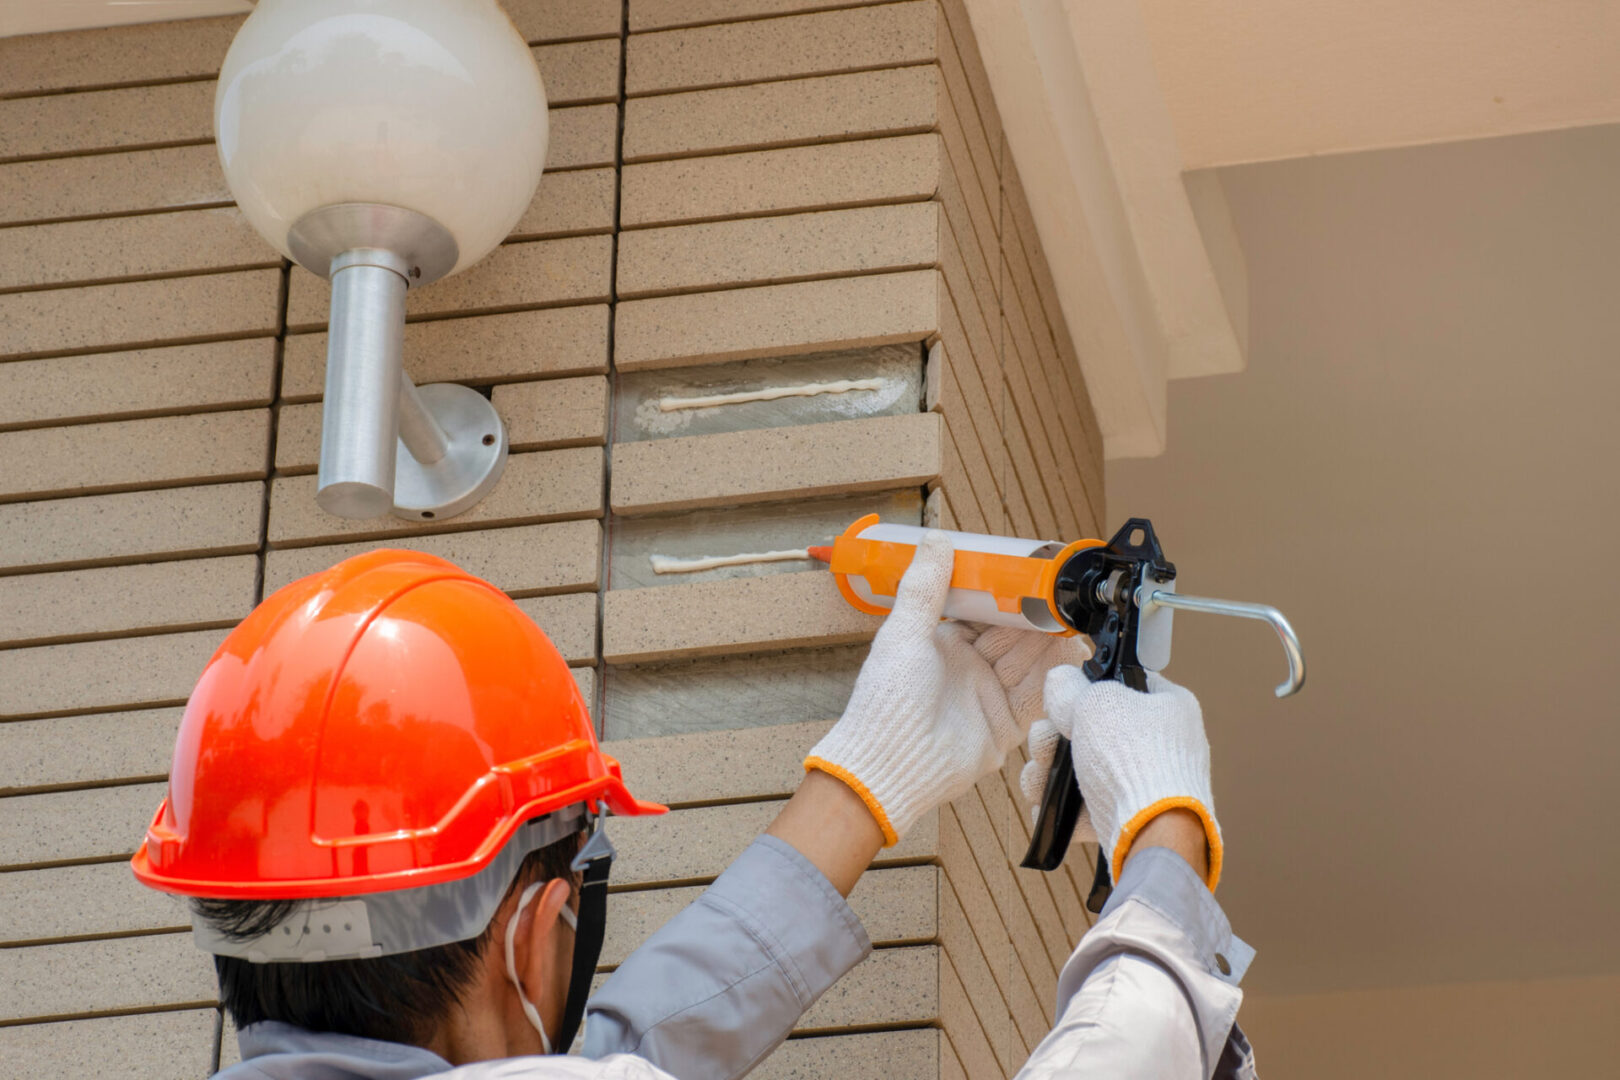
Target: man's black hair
x=401 y=998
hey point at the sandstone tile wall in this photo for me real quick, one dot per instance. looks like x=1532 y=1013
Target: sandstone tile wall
x=739 y=193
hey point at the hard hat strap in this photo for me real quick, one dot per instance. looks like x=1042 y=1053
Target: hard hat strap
x=595 y=860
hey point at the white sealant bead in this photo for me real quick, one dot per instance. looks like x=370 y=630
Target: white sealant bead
x=770 y=393
x=664 y=564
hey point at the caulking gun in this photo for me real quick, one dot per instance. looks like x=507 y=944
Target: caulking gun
x=1121 y=594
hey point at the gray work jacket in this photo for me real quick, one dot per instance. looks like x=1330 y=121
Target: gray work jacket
x=722 y=984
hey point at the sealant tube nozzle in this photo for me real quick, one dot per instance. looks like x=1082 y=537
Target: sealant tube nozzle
x=822 y=554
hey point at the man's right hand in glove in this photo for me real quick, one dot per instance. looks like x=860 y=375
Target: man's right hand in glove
x=1141 y=761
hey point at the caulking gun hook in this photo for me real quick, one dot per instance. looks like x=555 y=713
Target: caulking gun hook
x=1277 y=620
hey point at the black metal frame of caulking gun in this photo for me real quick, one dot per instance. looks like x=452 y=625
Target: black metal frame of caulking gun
x=1122 y=596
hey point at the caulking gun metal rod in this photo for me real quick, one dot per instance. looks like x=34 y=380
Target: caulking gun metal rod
x=1279 y=622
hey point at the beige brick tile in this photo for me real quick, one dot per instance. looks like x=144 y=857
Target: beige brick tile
x=685 y=846
x=738 y=764
x=756 y=251
x=140 y=313
x=60 y=980
x=107 y=119
x=568 y=203
x=554 y=413
x=546 y=486
x=1038 y=408
x=864 y=104
x=971 y=965
x=896 y=905
x=106 y=249
x=978 y=904
x=776 y=320
x=968 y=254
x=989 y=846
x=213 y=519
x=135 y=453
x=844 y=456
x=541 y=272
x=481 y=349
x=583 y=136
x=556 y=20
x=111 y=183
x=66 y=826
x=585 y=677
x=1047 y=894
x=876 y=1055
x=713 y=618
x=821 y=43
x=892 y=986
x=122 y=54
x=81 y=901
x=968 y=1043
x=186 y=595
x=179 y=378
x=83 y=676
x=579 y=72
x=865 y=172
x=86 y=749
x=961 y=503
x=958 y=27
x=528 y=559
x=569 y=621
x=661 y=14
x=139 y=1046
x=983 y=140
x=1027 y=475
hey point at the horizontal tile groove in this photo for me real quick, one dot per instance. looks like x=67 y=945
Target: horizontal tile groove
x=56 y=714
x=102 y=151
x=447 y=527
x=608 y=969
x=832 y=275
x=86 y=785
x=137 y=414
x=131 y=346
x=862 y=1029
x=128 y=84
x=129 y=560
x=57 y=1018
x=732 y=84
x=119 y=489
x=148 y=212
x=57 y=864
x=853 y=204
x=112 y=935
x=440 y=316
x=702 y=881
x=773 y=144
x=265 y=264
x=759 y=17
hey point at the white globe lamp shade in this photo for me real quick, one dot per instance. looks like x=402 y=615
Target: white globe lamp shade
x=435 y=106
x=384 y=144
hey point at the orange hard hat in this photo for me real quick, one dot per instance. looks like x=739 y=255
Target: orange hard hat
x=384 y=725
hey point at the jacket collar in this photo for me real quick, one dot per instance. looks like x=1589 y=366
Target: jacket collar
x=277 y=1051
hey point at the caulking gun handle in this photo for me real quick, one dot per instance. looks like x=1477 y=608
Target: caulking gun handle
x=1060 y=809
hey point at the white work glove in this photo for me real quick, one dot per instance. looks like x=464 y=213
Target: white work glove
x=1135 y=755
x=937 y=705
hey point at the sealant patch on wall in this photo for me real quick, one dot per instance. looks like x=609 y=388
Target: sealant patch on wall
x=769 y=392
x=744 y=541
x=664 y=564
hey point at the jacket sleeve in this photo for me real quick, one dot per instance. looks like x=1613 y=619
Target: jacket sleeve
x=722 y=983
x=1152 y=989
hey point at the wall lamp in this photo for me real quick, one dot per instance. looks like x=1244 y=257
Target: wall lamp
x=385 y=144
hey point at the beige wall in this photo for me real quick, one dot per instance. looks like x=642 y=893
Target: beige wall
x=1529 y=1029
x=736 y=194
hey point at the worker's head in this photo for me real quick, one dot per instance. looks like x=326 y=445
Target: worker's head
x=385 y=803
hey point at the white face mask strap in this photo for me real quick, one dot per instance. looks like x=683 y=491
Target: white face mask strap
x=529 y=1010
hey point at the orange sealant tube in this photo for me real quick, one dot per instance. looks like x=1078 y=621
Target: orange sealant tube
x=997 y=580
